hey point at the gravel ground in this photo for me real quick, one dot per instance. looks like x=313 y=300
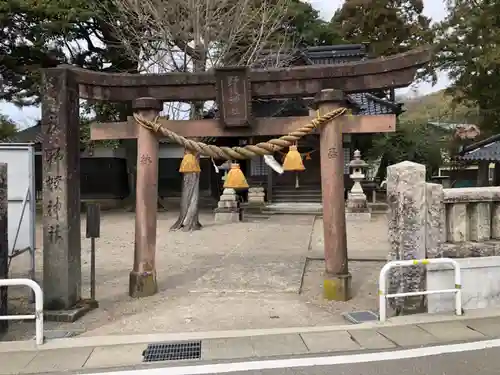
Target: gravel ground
x=364 y=291
x=232 y=276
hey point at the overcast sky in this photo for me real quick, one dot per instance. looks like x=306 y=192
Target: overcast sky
x=433 y=8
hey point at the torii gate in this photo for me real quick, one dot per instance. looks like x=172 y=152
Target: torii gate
x=233 y=88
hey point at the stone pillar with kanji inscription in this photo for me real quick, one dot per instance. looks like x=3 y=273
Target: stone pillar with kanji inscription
x=4 y=248
x=61 y=190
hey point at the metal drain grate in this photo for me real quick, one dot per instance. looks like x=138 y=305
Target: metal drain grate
x=174 y=351
x=357 y=317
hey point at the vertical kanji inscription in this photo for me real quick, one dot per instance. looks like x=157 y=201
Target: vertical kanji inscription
x=4 y=249
x=233 y=96
x=61 y=190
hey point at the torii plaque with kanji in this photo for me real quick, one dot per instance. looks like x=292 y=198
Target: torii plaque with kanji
x=234 y=96
x=328 y=83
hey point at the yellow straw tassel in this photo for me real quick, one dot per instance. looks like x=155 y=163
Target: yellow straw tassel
x=235 y=179
x=189 y=164
x=293 y=160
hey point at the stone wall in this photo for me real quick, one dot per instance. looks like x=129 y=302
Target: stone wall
x=427 y=221
x=471 y=223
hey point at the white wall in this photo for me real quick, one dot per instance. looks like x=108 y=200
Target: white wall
x=480 y=284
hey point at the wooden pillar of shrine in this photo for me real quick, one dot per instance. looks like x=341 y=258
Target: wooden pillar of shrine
x=483 y=171
x=496 y=175
x=143 y=275
x=61 y=190
x=337 y=283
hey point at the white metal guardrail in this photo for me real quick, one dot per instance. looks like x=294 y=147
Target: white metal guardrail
x=38 y=315
x=382 y=282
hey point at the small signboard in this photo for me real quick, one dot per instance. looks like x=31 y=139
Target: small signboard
x=234 y=97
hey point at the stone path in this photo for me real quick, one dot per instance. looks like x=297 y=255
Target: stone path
x=230 y=276
x=365 y=240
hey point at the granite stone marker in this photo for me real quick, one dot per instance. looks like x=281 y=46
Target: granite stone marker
x=406 y=194
x=61 y=191
x=435 y=233
x=4 y=248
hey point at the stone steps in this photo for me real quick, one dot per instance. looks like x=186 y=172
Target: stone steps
x=295 y=208
x=305 y=194
x=292 y=199
x=302 y=208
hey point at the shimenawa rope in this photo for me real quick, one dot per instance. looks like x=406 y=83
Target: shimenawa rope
x=240 y=153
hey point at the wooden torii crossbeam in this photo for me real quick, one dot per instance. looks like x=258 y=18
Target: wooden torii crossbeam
x=233 y=89
x=263 y=126
x=302 y=81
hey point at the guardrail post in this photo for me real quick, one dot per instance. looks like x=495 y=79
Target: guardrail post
x=382 y=290
x=458 y=287
x=38 y=311
x=38 y=315
x=383 y=296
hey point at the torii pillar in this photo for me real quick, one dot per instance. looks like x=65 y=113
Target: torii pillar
x=143 y=275
x=337 y=281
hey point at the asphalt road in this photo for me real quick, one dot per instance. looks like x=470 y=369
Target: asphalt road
x=481 y=362
x=481 y=358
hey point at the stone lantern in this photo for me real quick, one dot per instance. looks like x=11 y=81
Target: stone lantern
x=357 y=206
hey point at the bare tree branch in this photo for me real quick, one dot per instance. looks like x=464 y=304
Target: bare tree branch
x=194 y=36
x=235 y=32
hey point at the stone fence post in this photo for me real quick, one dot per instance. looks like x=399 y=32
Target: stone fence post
x=435 y=233
x=406 y=196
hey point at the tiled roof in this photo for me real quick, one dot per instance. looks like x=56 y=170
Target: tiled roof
x=490 y=152
x=367 y=103
x=32 y=134
x=280 y=108
x=446 y=125
x=281 y=59
x=336 y=54
x=485 y=150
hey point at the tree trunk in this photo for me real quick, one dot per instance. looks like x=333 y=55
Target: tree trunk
x=189 y=216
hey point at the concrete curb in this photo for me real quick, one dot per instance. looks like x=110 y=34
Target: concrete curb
x=100 y=341
x=353 y=259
